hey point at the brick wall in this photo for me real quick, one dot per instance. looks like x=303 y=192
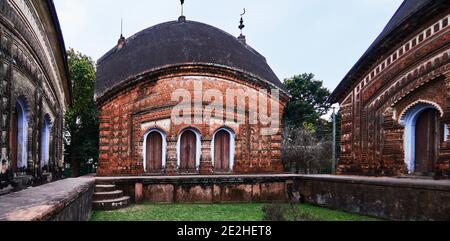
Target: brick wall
x=416 y=69
x=126 y=117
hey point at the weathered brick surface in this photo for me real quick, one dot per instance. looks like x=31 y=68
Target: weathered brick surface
x=159 y=193
x=127 y=116
x=414 y=70
x=32 y=71
x=382 y=197
x=66 y=200
x=264 y=188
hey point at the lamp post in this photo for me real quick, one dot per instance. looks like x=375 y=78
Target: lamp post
x=333 y=169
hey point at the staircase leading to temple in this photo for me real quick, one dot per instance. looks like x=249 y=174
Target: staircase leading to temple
x=107 y=197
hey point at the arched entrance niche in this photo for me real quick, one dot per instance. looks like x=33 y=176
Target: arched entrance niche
x=19 y=136
x=189 y=150
x=45 y=142
x=421 y=138
x=154 y=151
x=222 y=150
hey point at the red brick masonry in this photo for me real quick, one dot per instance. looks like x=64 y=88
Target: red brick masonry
x=205 y=189
x=414 y=71
x=128 y=114
x=382 y=197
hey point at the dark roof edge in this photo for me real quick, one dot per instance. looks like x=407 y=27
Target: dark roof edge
x=62 y=46
x=114 y=49
x=100 y=97
x=371 y=53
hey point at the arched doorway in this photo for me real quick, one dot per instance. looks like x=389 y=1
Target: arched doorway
x=45 y=143
x=426 y=141
x=19 y=136
x=154 y=151
x=13 y=139
x=223 y=151
x=189 y=151
x=421 y=139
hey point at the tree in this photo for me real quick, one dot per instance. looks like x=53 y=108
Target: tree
x=81 y=119
x=309 y=102
x=303 y=152
x=307 y=137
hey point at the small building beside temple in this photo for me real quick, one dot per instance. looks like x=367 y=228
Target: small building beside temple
x=140 y=84
x=35 y=91
x=395 y=102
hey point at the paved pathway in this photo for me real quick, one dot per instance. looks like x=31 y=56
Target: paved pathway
x=391 y=181
x=40 y=203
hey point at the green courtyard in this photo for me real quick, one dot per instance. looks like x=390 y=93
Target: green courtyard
x=214 y=212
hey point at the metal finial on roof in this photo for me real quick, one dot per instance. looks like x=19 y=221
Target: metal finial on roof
x=182 y=18
x=122 y=40
x=121 y=27
x=242 y=26
x=241 y=37
x=182 y=7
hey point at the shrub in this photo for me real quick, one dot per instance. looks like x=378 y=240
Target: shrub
x=285 y=212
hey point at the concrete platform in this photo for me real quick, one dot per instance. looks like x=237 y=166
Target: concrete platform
x=409 y=182
x=199 y=178
x=388 y=198
x=204 y=189
x=65 y=200
x=382 y=197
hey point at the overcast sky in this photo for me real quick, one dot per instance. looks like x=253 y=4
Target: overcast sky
x=324 y=37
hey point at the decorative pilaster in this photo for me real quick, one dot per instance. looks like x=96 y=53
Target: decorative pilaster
x=4 y=120
x=171 y=162
x=6 y=109
x=443 y=164
x=206 y=165
x=39 y=123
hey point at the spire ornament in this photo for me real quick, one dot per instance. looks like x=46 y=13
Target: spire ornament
x=242 y=26
x=241 y=37
x=182 y=18
x=122 y=40
x=182 y=7
x=121 y=27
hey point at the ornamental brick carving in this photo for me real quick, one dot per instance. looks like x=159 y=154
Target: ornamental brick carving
x=373 y=138
x=126 y=117
x=30 y=64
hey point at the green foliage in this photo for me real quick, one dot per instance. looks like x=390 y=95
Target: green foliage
x=286 y=212
x=183 y=212
x=303 y=152
x=308 y=104
x=82 y=124
x=275 y=213
x=218 y=212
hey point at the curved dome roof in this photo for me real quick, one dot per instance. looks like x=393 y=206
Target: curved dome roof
x=176 y=43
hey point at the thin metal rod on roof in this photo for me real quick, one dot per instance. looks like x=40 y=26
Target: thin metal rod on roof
x=242 y=26
x=182 y=7
x=121 y=27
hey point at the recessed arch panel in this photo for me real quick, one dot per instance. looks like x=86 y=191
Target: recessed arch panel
x=154 y=150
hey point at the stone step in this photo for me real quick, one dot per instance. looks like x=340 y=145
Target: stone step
x=100 y=182
x=112 y=204
x=108 y=195
x=105 y=188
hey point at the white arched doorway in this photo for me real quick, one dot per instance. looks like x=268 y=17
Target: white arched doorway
x=20 y=134
x=154 y=150
x=189 y=149
x=45 y=142
x=421 y=137
x=223 y=150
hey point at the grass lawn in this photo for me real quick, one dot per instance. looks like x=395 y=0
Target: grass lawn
x=213 y=212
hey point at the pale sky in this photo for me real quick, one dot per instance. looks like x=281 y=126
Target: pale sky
x=324 y=37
